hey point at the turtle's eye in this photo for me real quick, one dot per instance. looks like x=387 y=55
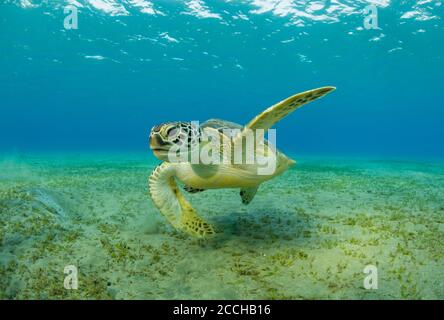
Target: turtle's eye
x=172 y=133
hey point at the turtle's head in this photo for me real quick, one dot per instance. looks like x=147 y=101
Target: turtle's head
x=173 y=137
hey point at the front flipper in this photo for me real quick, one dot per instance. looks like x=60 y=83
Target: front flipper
x=247 y=194
x=273 y=114
x=192 y=190
x=173 y=205
x=269 y=117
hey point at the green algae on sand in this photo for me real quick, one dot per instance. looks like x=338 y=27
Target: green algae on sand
x=307 y=235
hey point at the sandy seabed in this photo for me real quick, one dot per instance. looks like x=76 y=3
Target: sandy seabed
x=307 y=234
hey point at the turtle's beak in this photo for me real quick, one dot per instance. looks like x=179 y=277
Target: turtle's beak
x=158 y=146
x=155 y=141
x=161 y=154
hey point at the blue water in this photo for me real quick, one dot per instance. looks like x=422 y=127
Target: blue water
x=77 y=106
x=105 y=84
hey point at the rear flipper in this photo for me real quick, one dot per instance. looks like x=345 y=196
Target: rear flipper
x=247 y=194
x=192 y=190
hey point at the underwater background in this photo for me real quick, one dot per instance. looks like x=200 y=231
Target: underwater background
x=77 y=106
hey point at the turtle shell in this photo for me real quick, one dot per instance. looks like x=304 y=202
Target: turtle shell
x=221 y=125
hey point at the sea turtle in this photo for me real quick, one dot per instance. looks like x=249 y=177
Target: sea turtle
x=200 y=176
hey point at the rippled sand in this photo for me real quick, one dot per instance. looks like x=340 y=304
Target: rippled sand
x=307 y=234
